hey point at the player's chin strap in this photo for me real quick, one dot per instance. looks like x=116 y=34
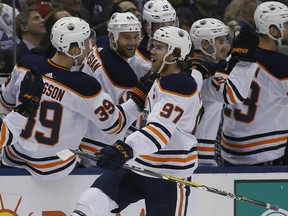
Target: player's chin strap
x=67 y=153
x=165 y=62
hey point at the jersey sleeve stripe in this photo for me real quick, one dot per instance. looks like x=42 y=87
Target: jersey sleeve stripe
x=3 y=133
x=205 y=149
x=119 y=121
x=235 y=90
x=157 y=133
x=5 y=104
x=150 y=137
x=89 y=148
x=164 y=129
x=167 y=159
x=230 y=94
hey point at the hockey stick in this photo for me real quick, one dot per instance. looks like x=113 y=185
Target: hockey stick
x=70 y=152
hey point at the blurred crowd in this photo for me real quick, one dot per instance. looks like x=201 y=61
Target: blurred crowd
x=36 y=18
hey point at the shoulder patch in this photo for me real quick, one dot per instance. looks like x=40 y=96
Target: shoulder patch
x=181 y=83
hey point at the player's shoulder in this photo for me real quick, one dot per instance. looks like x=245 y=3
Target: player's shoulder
x=181 y=84
x=274 y=63
x=118 y=70
x=79 y=82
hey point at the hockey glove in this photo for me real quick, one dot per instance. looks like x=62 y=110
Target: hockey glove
x=142 y=89
x=114 y=157
x=245 y=44
x=204 y=67
x=30 y=93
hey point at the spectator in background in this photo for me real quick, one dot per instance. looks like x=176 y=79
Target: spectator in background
x=99 y=9
x=6 y=38
x=46 y=47
x=121 y=6
x=204 y=9
x=76 y=9
x=30 y=29
x=241 y=11
x=184 y=15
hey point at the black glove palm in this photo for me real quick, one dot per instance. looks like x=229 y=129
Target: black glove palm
x=114 y=157
x=30 y=93
x=142 y=89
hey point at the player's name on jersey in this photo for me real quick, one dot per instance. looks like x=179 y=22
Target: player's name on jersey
x=53 y=91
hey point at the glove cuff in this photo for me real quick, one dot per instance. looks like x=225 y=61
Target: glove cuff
x=125 y=150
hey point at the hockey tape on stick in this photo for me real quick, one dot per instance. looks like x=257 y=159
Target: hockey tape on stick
x=70 y=152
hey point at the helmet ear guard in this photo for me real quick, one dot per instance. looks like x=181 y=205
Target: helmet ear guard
x=68 y=30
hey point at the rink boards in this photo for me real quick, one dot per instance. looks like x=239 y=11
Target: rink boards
x=24 y=196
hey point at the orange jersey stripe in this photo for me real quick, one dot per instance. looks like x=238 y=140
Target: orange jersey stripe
x=207 y=149
x=42 y=166
x=3 y=134
x=181 y=160
x=181 y=200
x=155 y=131
x=231 y=95
x=89 y=148
x=254 y=144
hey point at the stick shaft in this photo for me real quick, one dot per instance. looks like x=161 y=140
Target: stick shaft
x=185 y=182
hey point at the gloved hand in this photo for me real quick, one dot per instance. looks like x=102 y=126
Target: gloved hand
x=245 y=44
x=30 y=93
x=114 y=157
x=204 y=67
x=142 y=89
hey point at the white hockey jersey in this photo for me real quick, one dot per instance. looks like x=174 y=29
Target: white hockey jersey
x=10 y=128
x=167 y=144
x=68 y=102
x=256 y=131
x=217 y=90
x=117 y=78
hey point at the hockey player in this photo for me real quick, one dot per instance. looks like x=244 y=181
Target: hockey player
x=69 y=100
x=164 y=145
x=255 y=132
x=110 y=66
x=31 y=89
x=211 y=45
x=156 y=14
